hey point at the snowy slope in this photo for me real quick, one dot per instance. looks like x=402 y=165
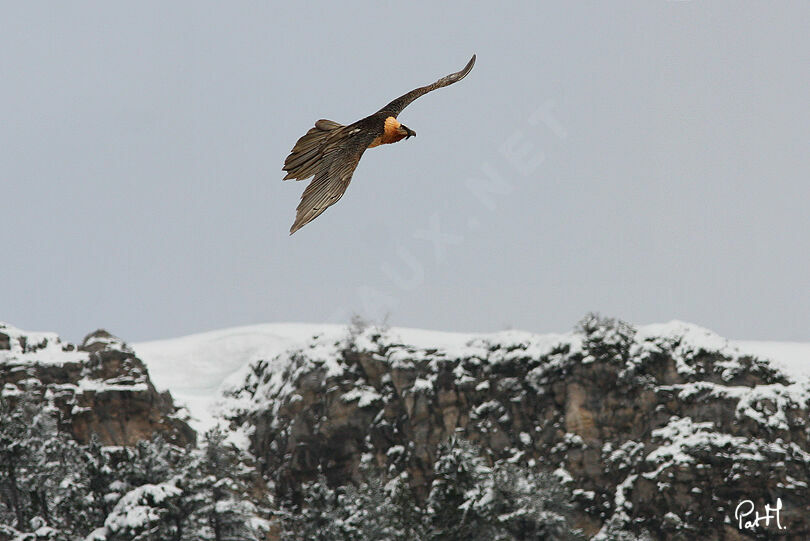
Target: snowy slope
x=195 y=367
x=198 y=367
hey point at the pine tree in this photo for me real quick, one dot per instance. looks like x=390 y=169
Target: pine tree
x=376 y=509
x=13 y=435
x=141 y=492
x=407 y=513
x=316 y=518
x=147 y=513
x=220 y=481
x=35 y=460
x=469 y=500
x=454 y=515
x=104 y=486
x=153 y=461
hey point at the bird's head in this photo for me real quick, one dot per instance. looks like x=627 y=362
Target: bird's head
x=405 y=131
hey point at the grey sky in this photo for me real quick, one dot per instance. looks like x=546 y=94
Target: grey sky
x=659 y=165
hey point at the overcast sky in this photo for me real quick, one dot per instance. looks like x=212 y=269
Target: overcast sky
x=646 y=160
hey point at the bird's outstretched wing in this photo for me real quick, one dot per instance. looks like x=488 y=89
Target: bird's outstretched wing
x=333 y=162
x=396 y=106
x=304 y=158
x=331 y=152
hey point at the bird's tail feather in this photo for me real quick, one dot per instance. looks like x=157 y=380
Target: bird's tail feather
x=303 y=159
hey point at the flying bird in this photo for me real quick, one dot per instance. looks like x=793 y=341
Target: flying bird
x=331 y=151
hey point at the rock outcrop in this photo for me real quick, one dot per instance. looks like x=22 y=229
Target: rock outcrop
x=99 y=387
x=660 y=431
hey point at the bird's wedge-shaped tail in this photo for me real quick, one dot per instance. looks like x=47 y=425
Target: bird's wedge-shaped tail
x=331 y=151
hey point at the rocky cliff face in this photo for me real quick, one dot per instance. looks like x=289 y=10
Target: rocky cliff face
x=99 y=387
x=661 y=430
x=657 y=431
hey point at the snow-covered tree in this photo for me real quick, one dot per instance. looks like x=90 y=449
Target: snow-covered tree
x=13 y=437
x=149 y=512
x=469 y=500
x=458 y=496
x=605 y=337
x=316 y=518
x=221 y=482
x=154 y=461
x=35 y=462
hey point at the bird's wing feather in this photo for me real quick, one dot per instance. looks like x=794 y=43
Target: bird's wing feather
x=306 y=153
x=331 y=152
x=396 y=106
x=333 y=172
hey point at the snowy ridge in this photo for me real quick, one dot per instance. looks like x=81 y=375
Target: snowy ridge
x=199 y=367
x=99 y=387
x=626 y=416
x=28 y=348
x=268 y=385
x=793 y=358
x=41 y=347
x=651 y=405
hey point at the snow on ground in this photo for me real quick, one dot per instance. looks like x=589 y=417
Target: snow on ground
x=41 y=347
x=196 y=368
x=793 y=358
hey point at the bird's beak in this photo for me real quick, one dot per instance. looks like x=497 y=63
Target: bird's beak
x=410 y=133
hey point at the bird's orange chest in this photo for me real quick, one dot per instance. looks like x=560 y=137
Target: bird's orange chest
x=391 y=133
